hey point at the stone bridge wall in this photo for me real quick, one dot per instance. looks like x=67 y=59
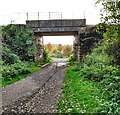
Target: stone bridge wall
x=75 y=27
x=56 y=25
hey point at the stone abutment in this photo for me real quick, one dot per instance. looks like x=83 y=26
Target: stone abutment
x=75 y=27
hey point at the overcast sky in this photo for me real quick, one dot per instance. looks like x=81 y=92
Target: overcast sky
x=16 y=10
x=46 y=5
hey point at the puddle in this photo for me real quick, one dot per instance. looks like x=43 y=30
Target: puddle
x=61 y=64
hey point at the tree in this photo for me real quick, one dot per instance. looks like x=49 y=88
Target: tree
x=60 y=47
x=19 y=40
x=54 y=52
x=110 y=15
x=67 y=50
x=110 y=12
x=49 y=46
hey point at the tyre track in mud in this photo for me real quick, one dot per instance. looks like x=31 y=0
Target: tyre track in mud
x=43 y=99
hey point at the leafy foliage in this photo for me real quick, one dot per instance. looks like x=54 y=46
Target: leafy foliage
x=46 y=58
x=46 y=54
x=16 y=71
x=8 y=56
x=79 y=95
x=97 y=68
x=49 y=46
x=19 y=40
x=112 y=42
x=67 y=50
x=54 y=49
x=17 y=53
x=110 y=11
x=71 y=59
x=110 y=17
x=60 y=47
x=101 y=66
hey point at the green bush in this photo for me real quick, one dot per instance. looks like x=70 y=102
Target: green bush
x=46 y=57
x=46 y=54
x=111 y=88
x=95 y=63
x=14 y=72
x=10 y=71
x=8 y=56
x=99 y=67
x=71 y=59
x=112 y=42
x=19 y=40
x=102 y=66
x=17 y=53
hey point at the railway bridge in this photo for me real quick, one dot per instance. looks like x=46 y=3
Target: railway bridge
x=59 y=27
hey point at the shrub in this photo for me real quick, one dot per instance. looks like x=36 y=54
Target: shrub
x=71 y=59
x=8 y=56
x=46 y=56
x=111 y=87
x=95 y=64
x=19 y=40
x=10 y=71
x=99 y=66
x=112 y=42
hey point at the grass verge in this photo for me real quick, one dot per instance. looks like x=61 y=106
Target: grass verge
x=78 y=95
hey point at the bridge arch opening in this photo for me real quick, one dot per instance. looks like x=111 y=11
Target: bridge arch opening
x=59 y=46
x=68 y=46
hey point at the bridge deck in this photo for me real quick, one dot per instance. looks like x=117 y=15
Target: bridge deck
x=47 y=26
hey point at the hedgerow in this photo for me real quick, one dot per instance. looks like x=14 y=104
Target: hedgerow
x=19 y=40
x=17 y=53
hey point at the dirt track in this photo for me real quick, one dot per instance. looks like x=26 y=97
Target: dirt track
x=37 y=93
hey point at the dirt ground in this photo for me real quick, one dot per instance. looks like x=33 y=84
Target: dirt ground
x=37 y=93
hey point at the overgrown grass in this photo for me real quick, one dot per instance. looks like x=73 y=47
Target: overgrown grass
x=93 y=86
x=79 y=95
x=99 y=66
x=16 y=72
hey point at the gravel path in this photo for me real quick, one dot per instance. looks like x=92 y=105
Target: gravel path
x=37 y=93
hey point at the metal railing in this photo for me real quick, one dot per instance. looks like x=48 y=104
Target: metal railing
x=43 y=15
x=21 y=17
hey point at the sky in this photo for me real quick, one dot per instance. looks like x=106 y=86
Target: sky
x=64 y=40
x=14 y=11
